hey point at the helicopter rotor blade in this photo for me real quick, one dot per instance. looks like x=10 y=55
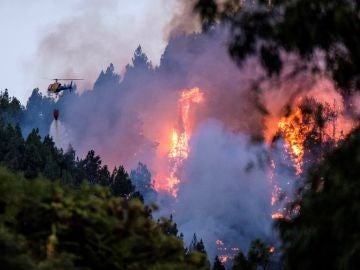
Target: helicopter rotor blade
x=68 y=79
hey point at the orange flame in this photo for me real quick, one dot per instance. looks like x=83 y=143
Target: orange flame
x=294 y=131
x=277 y=216
x=180 y=136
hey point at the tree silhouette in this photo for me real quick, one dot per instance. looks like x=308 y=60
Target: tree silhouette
x=108 y=79
x=38 y=113
x=217 y=264
x=258 y=257
x=320 y=230
x=91 y=166
x=121 y=183
x=46 y=225
x=141 y=178
x=266 y=28
x=34 y=161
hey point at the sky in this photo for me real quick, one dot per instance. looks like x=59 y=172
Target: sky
x=77 y=38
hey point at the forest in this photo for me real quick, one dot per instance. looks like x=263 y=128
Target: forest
x=90 y=197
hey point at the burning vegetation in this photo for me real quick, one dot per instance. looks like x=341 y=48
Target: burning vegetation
x=310 y=130
x=180 y=136
x=206 y=162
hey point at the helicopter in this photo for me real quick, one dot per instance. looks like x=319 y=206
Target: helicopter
x=56 y=87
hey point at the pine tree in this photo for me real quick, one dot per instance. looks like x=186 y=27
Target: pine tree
x=91 y=166
x=141 y=178
x=33 y=159
x=38 y=113
x=121 y=183
x=259 y=254
x=104 y=177
x=196 y=245
x=241 y=262
x=13 y=157
x=51 y=156
x=140 y=59
x=107 y=80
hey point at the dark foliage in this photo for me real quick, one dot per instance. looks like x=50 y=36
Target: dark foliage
x=266 y=28
x=141 y=178
x=217 y=264
x=46 y=225
x=323 y=225
x=258 y=257
x=11 y=110
x=38 y=113
x=35 y=156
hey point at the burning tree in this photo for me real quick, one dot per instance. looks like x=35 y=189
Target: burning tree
x=309 y=131
x=323 y=229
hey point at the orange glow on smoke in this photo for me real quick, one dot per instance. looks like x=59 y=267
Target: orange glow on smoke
x=178 y=149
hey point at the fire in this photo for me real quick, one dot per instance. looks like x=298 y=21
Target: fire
x=180 y=137
x=179 y=145
x=326 y=121
x=277 y=216
x=294 y=130
x=310 y=121
x=226 y=253
x=224 y=258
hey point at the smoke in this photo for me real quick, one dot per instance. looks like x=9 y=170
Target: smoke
x=97 y=33
x=185 y=20
x=224 y=191
x=60 y=135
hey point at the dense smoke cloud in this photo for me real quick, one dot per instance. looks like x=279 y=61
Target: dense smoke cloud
x=225 y=192
x=185 y=20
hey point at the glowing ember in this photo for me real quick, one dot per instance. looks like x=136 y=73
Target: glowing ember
x=226 y=253
x=224 y=258
x=275 y=194
x=277 y=216
x=180 y=136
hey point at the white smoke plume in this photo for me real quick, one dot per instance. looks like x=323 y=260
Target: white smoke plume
x=60 y=135
x=97 y=33
x=225 y=193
